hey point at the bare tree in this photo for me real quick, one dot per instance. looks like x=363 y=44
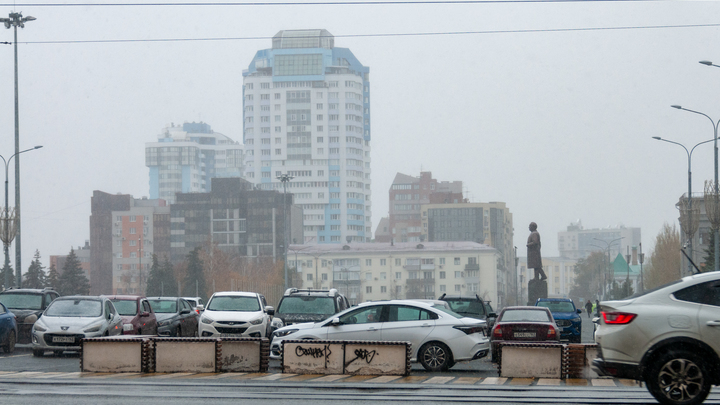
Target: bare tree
x=666 y=260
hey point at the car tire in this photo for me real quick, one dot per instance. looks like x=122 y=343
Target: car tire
x=435 y=356
x=678 y=377
x=10 y=346
x=38 y=353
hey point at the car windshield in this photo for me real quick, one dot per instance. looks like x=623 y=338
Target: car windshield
x=126 y=307
x=557 y=306
x=192 y=303
x=164 y=306
x=22 y=301
x=230 y=303
x=524 y=315
x=307 y=305
x=75 y=308
x=466 y=307
x=442 y=308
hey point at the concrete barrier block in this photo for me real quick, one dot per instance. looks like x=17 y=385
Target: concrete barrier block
x=312 y=357
x=243 y=355
x=591 y=353
x=198 y=355
x=376 y=358
x=114 y=355
x=531 y=360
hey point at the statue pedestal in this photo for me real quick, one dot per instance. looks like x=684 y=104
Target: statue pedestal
x=536 y=289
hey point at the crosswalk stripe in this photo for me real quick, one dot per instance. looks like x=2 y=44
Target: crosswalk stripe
x=549 y=381
x=438 y=380
x=522 y=381
x=467 y=380
x=494 y=381
x=273 y=377
x=597 y=382
x=576 y=382
x=384 y=379
x=331 y=378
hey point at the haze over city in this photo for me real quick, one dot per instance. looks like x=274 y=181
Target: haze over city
x=547 y=106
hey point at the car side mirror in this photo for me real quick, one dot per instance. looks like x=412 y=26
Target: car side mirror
x=335 y=322
x=200 y=308
x=492 y=315
x=184 y=311
x=270 y=310
x=579 y=311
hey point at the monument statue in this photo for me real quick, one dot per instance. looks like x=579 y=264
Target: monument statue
x=534 y=259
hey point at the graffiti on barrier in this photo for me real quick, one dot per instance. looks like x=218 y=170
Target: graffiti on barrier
x=314 y=352
x=363 y=354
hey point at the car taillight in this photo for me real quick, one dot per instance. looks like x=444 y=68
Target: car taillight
x=618 y=318
x=551 y=333
x=497 y=332
x=470 y=329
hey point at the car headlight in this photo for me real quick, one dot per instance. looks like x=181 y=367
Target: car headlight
x=206 y=320
x=256 y=321
x=281 y=333
x=277 y=323
x=165 y=322
x=94 y=328
x=39 y=328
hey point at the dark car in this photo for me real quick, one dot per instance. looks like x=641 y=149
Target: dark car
x=566 y=316
x=137 y=314
x=8 y=330
x=28 y=305
x=175 y=316
x=522 y=324
x=300 y=306
x=471 y=306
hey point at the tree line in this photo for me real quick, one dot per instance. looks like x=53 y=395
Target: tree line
x=70 y=281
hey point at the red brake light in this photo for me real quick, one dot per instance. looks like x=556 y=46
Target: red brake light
x=618 y=318
x=497 y=332
x=551 y=333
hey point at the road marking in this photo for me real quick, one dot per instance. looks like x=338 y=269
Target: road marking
x=549 y=381
x=494 y=381
x=438 y=380
x=576 y=382
x=628 y=383
x=359 y=378
x=172 y=375
x=521 y=381
x=15 y=355
x=602 y=382
x=384 y=379
x=98 y=375
x=218 y=376
x=49 y=375
x=69 y=375
x=129 y=375
x=331 y=378
x=411 y=379
x=273 y=377
x=245 y=376
x=467 y=380
x=304 y=377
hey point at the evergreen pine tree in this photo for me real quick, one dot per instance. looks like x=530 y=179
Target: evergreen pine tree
x=7 y=268
x=169 y=286
x=35 y=276
x=194 y=284
x=154 y=283
x=73 y=280
x=53 y=278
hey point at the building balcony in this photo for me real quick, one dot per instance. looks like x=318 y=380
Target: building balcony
x=420 y=281
x=412 y=267
x=472 y=266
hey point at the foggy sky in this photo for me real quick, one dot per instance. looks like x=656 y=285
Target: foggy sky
x=555 y=123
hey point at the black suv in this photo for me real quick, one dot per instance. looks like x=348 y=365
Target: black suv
x=27 y=304
x=298 y=306
x=471 y=306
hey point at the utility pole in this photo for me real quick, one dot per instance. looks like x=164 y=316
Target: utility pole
x=285 y=178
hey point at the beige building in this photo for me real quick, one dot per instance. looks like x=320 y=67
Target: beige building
x=382 y=271
x=560 y=272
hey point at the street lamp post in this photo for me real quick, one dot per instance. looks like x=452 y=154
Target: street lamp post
x=7 y=237
x=715 y=135
x=641 y=257
x=689 y=155
x=17 y=20
x=607 y=249
x=285 y=178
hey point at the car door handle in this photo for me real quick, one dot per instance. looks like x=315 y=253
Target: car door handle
x=373 y=329
x=426 y=325
x=713 y=323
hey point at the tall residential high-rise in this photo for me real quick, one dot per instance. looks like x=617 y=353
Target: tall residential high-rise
x=185 y=158
x=306 y=113
x=577 y=242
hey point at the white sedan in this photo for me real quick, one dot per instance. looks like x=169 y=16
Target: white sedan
x=439 y=337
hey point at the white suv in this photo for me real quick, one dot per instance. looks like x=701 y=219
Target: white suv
x=668 y=337
x=236 y=314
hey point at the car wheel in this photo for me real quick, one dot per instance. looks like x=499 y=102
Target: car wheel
x=678 y=377
x=38 y=353
x=435 y=356
x=10 y=346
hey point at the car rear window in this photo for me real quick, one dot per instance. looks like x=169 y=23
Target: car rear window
x=164 y=306
x=75 y=308
x=466 y=307
x=524 y=315
x=307 y=305
x=126 y=307
x=22 y=301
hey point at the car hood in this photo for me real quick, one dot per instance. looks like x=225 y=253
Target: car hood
x=565 y=315
x=302 y=318
x=163 y=316
x=234 y=316
x=70 y=323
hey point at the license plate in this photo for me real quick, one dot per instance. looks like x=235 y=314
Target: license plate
x=231 y=335
x=128 y=327
x=63 y=339
x=524 y=334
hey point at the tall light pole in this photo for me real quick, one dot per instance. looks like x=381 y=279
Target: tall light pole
x=689 y=193
x=715 y=134
x=17 y=20
x=608 y=245
x=8 y=236
x=285 y=178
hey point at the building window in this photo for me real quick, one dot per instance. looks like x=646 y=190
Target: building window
x=309 y=277
x=442 y=287
x=368 y=289
x=457 y=287
x=398 y=262
x=442 y=275
x=132 y=231
x=398 y=275
x=442 y=259
x=383 y=262
x=368 y=262
x=383 y=289
x=457 y=260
